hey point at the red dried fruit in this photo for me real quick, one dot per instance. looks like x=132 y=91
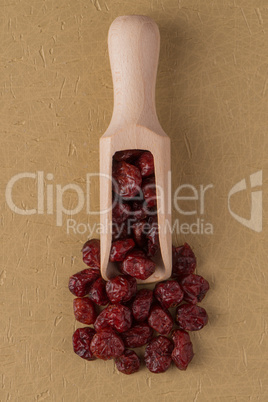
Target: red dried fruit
x=120 y=248
x=91 y=253
x=168 y=293
x=79 y=283
x=180 y=337
x=84 y=310
x=194 y=287
x=137 y=336
x=158 y=354
x=139 y=229
x=149 y=191
x=136 y=264
x=191 y=317
x=127 y=155
x=82 y=338
x=128 y=362
x=126 y=180
x=101 y=321
x=97 y=292
x=121 y=288
x=160 y=320
x=121 y=211
x=115 y=316
x=183 y=352
x=153 y=237
x=142 y=304
x=145 y=163
x=106 y=345
x=119 y=317
x=183 y=261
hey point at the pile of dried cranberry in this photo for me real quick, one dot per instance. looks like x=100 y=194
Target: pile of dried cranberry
x=134 y=215
x=132 y=316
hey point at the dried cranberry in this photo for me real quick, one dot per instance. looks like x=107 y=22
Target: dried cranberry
x=138 y=229
x=91 y=253
x=97 y=292
x=101 y=321
x=79 y=283
x=115 y=316
x=120 y=248
x=121 y=288
x=82 y=338
x=160 y=320
x=191 y=317
x=127 y=180
x=119 y=317
x=137 y=336
x=183 y=260
x=168 y=293
x=142 y=304
x=194 y=287
x=179 y=336
x=121 y=211
x=153 y=237
x=127 y=155
x=138 y=265
x=183 y=352
x=84 y=310
x=128 y=362
x=106 y=345
x=149 y=191
x=158 y=354
x=146 y=164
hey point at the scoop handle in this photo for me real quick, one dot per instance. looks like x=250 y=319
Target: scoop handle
x=134 y=43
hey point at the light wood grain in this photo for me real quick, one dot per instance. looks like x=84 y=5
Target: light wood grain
x=133 y=43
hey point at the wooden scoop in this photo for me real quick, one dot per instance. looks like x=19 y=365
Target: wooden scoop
x=133 y=43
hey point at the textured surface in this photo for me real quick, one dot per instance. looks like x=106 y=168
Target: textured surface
x=55 y=102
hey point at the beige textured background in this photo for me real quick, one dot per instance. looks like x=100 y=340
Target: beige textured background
x=56 y=100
